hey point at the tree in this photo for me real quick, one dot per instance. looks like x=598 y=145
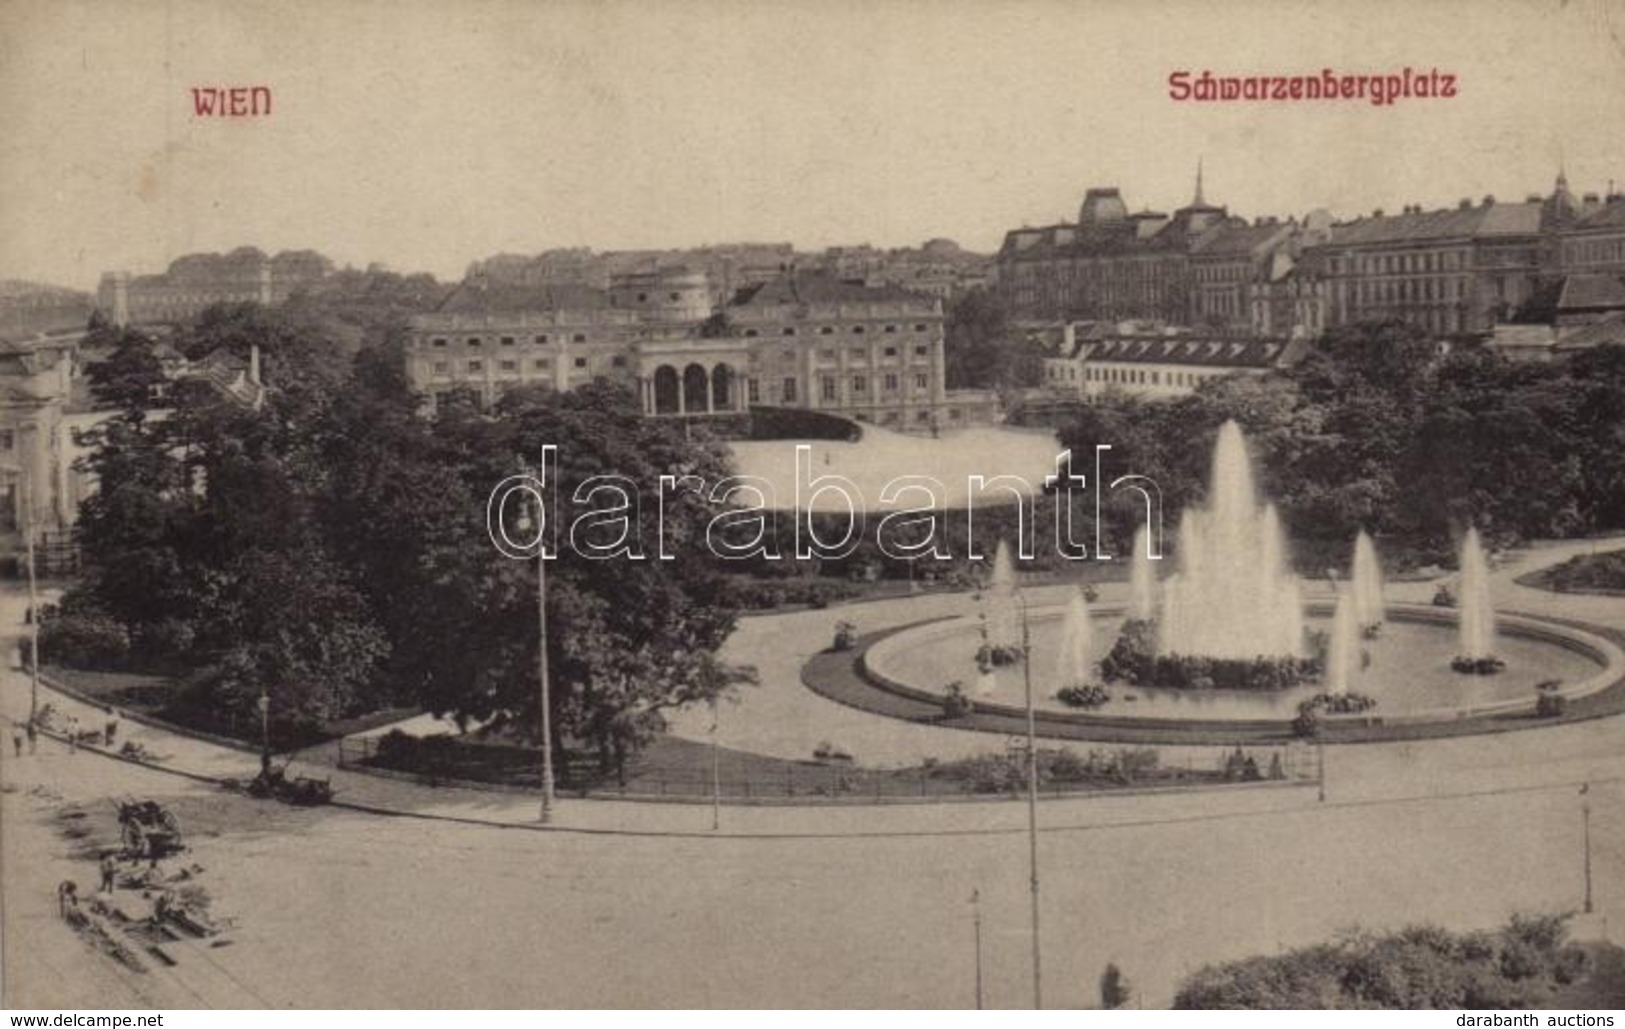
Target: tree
x=980 y=349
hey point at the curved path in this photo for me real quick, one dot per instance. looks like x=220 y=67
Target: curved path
x=828 y=906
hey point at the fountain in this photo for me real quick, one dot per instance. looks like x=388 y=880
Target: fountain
x=1345 y=644
x=1143 y=579
x=1477 y=622
x=1234 y=596
x=1369 y=613
x=1001 y=623
x=1225 y=640
x=1075 y=662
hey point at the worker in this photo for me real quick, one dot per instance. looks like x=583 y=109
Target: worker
x=67 y=896
x=33 y=736
x=112 y=727
x=17 y=738
x=109 y=872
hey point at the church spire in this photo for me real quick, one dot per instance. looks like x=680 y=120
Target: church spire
x=1199 y=202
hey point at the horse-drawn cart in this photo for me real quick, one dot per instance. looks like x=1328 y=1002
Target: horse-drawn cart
x=148 y=829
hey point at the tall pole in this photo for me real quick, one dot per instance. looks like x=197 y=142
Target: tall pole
x=976 y=920
x=1032 y=797
x=33 y=600
x=1585 y=817
x=541 y=664
x=716 y=777
x=1320 y=767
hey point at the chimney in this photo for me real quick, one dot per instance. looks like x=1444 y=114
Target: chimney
x=1489 y=200
x=1463 y=204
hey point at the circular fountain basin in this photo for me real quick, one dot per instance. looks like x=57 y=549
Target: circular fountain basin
x=1409 y=671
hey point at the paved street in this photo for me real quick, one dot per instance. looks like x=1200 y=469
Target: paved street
x=850 y=906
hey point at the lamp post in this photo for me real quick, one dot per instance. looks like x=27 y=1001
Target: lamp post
x=1585 y=818
x=1032 y=795
x=1320 y=769
x=525 y=525
x=716 y=777
x=976 y=922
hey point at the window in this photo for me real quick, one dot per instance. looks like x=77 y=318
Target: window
x=891 y=328
x=827 y=387
x=921 y=382
x=475 y=366
x=857 y=330
x=789 y=330
x=891 y=351
x=509 y=366
x=541 y=339
x=642 y=297
x=826 y=354
x=891 y=382
x=618 y=361
x=921 y=351
x=858 y=354
x=750 y=333
x=579 y=337
x=919 y=327
x=674 y=297
x=826 y=331
x=473 y=341
x=860 y=383
x=542 y=364
x=507 y=341
x=438 y=341
x=754 y=391
x=581 y=362
x=789 y=389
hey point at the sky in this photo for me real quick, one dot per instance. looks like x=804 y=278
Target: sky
x=427 y=135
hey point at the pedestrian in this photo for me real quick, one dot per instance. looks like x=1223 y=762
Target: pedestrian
x=33 y=736
x=112 y=727
x=67 y=896
x=17 y=738
x=109 y=871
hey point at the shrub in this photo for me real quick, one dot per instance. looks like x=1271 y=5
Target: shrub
x=1087 y=696
x=84 y=639
x=955 y=704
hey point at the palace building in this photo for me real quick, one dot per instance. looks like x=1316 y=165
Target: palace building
x=1457 y=271
x=803 y=340
x=197 y=281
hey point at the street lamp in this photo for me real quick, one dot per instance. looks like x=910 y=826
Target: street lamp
x=525 y=525
x=1032 y=793
x=716 y=777
x=1585 y=817
x=976 y=921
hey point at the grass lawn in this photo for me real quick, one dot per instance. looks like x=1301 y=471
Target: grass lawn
x=675 y=767
x=153 y=696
